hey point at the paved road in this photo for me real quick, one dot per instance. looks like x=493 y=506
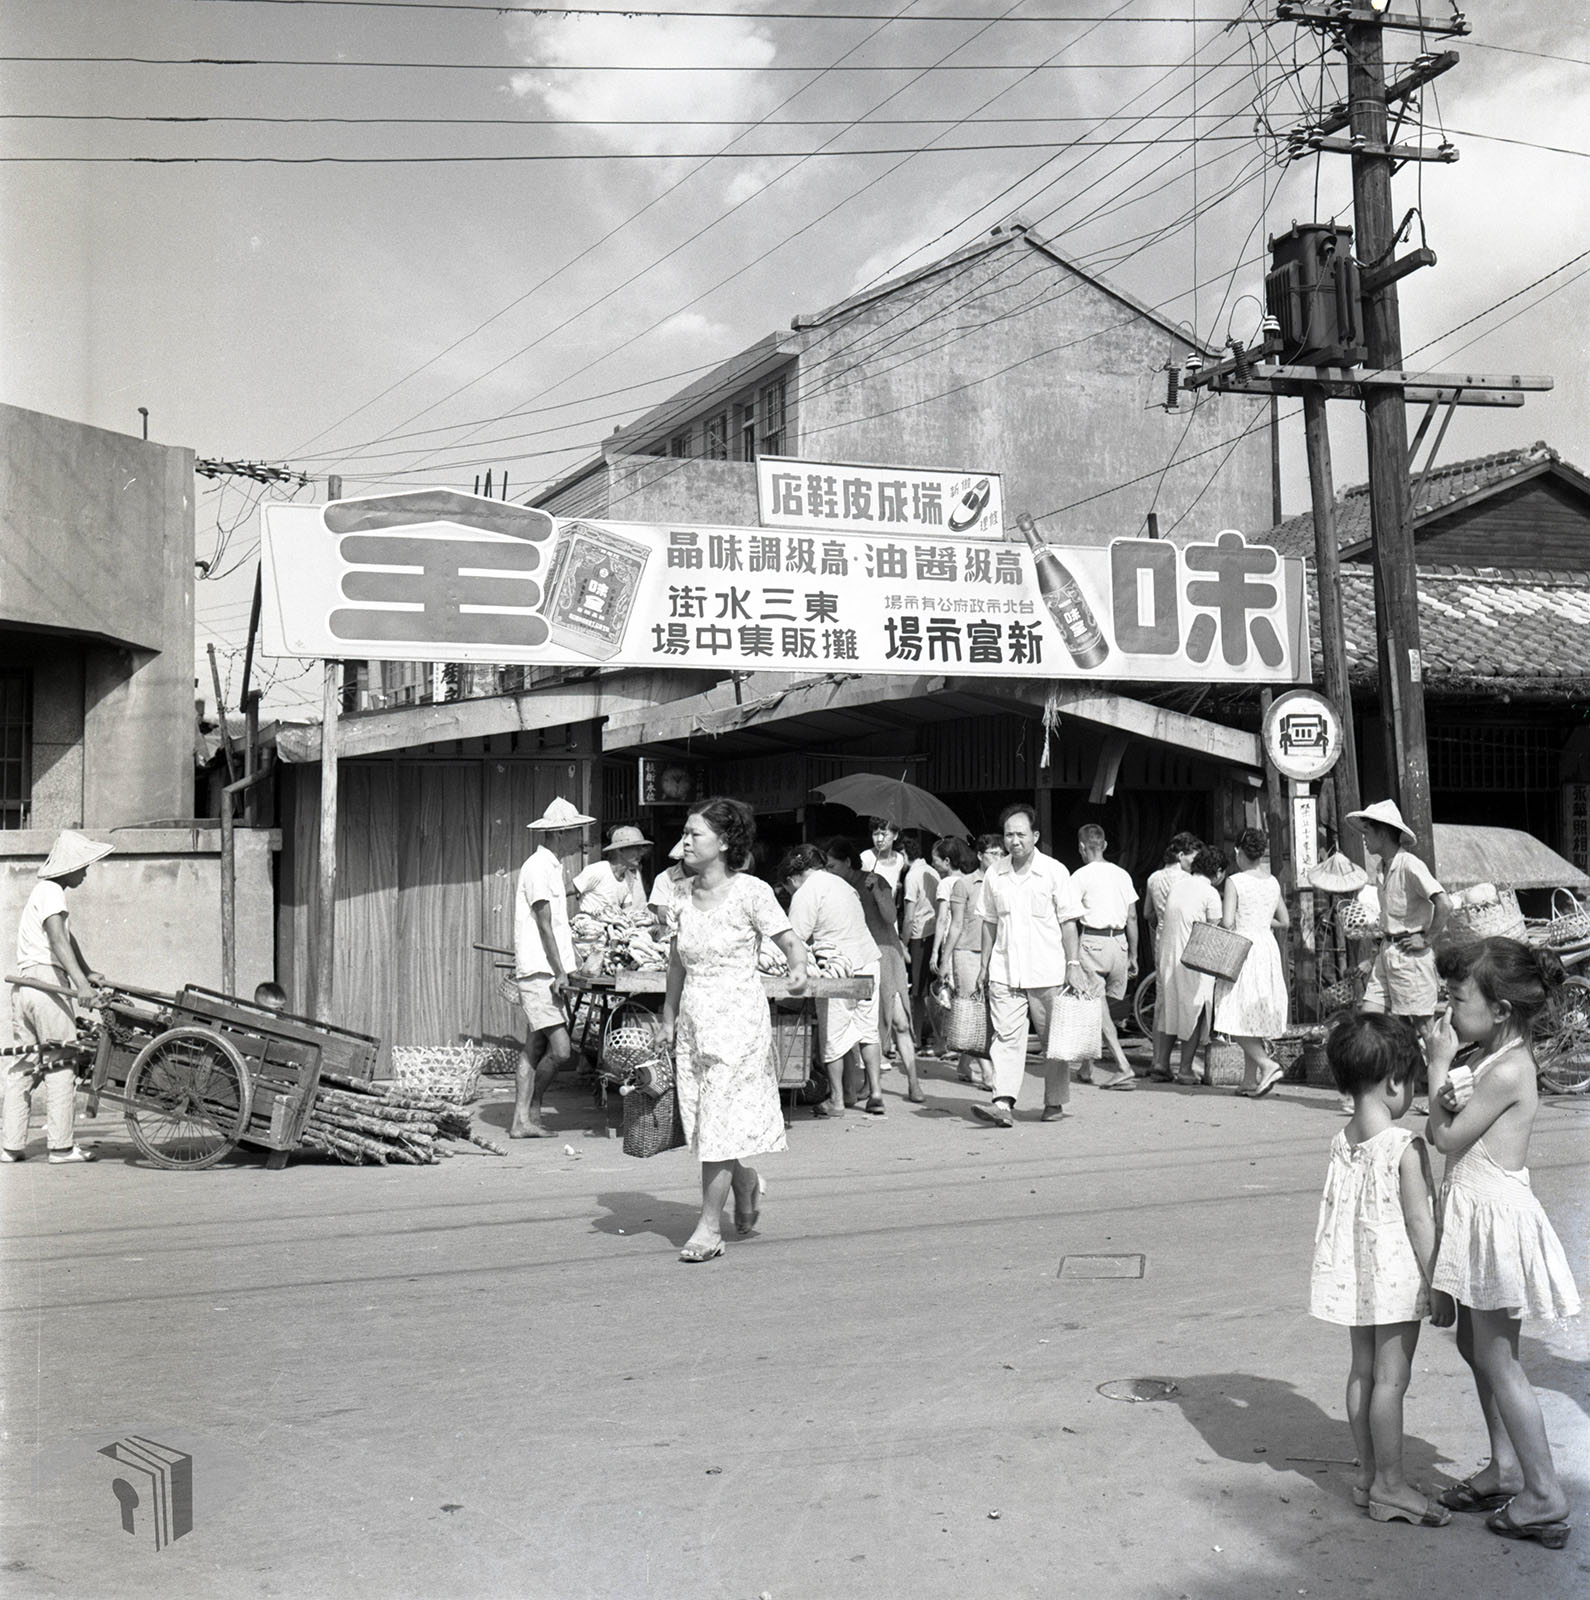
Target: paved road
x=493 y=1378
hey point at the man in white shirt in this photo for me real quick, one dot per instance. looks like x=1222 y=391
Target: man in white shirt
x=1029 y=950
x=609 y=888
x=543 y=959
x=42 y=1023
x=1106 y=937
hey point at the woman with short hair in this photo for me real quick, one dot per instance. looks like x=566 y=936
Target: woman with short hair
x=715 y=1014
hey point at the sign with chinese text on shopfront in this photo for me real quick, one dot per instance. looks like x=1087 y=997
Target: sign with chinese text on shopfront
x=506 y=585
x=898 y=501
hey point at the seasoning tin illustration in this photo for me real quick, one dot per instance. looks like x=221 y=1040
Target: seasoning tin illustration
x=591 y=588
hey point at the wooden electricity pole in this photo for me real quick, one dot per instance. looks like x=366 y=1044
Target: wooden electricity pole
x=321 y=990
x=1396 y=577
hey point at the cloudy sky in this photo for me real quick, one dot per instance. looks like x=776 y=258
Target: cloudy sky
x=402 y=316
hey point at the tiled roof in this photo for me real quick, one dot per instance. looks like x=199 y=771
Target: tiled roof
x=1478 y=627
x=1444 y=487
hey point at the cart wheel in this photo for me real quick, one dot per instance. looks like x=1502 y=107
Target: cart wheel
x=1562 y=1047
x=1143 y=1005
x=188 y=1095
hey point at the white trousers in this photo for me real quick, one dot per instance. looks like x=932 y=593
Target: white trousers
x=1009 y=1013
x=60 y=1103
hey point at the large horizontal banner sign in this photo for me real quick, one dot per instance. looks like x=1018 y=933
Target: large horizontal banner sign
x=898 y=501
x=438 y=576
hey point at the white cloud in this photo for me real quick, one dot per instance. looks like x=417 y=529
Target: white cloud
x=650 y=97
x=697 y=329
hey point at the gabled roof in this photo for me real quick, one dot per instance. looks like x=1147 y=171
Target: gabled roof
x=1011 y=235
x=1480 y=628
x=771 y=350
x=1445 y=490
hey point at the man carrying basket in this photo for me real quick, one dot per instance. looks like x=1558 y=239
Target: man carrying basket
x=1029 y=954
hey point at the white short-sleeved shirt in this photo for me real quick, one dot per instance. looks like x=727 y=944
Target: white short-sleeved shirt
x=826 y=913
x=1160 y=885
x=1105 y=893
x=921 y=888
x=33 y=942
x=603 y=892
x=1028 y=910
x=889 y=870
x=541 y=878
x=1407 y=888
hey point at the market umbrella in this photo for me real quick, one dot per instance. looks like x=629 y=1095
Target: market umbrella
x=869 y=794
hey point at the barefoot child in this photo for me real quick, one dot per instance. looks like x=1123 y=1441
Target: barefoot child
x=1373 y=1253
x=1499 y=1258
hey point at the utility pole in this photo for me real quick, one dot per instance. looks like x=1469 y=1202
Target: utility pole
x=324 y=969
x=1396 y=577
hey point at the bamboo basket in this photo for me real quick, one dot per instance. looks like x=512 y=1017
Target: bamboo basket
x=448 y=1072
x=1500 y=919
x=1214 y=950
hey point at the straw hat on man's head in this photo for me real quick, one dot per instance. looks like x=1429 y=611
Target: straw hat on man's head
x=1385 y=812
x=560 y=814
x=624 y=837
x=71 y=852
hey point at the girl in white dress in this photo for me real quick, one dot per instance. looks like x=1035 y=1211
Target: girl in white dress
x=1499 y=1259
x=1374 y=1248
x=1252 y=1007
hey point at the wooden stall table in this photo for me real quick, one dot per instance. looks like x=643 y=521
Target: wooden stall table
x=794 y=1017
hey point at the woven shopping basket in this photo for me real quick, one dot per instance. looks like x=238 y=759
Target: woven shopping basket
x=443 y=1071
x=635 y=1050
x=1215 y=951
x=652 y=1124
x=1076 y=1027
x=1498 y=918
x=1570 y=925
x=966 y=1028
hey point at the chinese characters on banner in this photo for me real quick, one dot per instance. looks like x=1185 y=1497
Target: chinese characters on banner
x=744 y=599
x=825 y=495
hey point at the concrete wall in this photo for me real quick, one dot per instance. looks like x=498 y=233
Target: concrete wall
x=1013 y=363
x=666 y=489
x=150 y=915
x=96 y=597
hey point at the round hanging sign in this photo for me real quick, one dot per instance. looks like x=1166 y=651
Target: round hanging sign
x=1302 y=735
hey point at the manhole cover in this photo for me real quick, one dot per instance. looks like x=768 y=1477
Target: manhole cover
x=1136 y=1390
x=1101 y=1266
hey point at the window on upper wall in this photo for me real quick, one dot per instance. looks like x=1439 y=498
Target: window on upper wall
x=16 y=747
x=744 y=431
x=770 y=402
x=716 y=430
x=679 y=445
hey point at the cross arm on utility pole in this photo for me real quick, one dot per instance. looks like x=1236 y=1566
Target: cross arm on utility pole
x=1342 y=13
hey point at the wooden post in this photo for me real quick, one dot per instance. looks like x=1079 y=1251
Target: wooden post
x=320 y=995
x=1396 y=579
x=1332 y=635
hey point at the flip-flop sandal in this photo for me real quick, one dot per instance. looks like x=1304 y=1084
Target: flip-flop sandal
x=1267 y=1083
x=1465 y=1497
x=875 y=1107
x=746 y=1217
x=1553 y=1535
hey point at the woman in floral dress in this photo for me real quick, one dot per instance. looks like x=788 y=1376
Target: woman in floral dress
x=716 y=1015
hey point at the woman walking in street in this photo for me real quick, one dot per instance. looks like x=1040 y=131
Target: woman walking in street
x=1184 y=995
x=960 y=952
x=877 y=905
x=1252 y=1007
x=715 y=1014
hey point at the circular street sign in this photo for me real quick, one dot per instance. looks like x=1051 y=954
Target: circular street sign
x=1302 y=735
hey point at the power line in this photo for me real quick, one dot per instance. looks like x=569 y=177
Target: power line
x=595 y=66
x=584 y=156
x=627 y=13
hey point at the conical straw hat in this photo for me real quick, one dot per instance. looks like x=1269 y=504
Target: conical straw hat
x=1338 y=874
x=560 y=814
x=71 y=851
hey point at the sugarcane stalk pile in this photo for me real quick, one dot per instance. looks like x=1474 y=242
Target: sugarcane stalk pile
x=360 y=1122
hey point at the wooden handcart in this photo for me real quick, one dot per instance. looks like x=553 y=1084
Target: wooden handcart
x=199 y=1073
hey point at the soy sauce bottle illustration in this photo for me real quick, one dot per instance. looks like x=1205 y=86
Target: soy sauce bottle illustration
x=1073 y=616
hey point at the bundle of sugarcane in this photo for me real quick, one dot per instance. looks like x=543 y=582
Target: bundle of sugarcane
x=357 y=1122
